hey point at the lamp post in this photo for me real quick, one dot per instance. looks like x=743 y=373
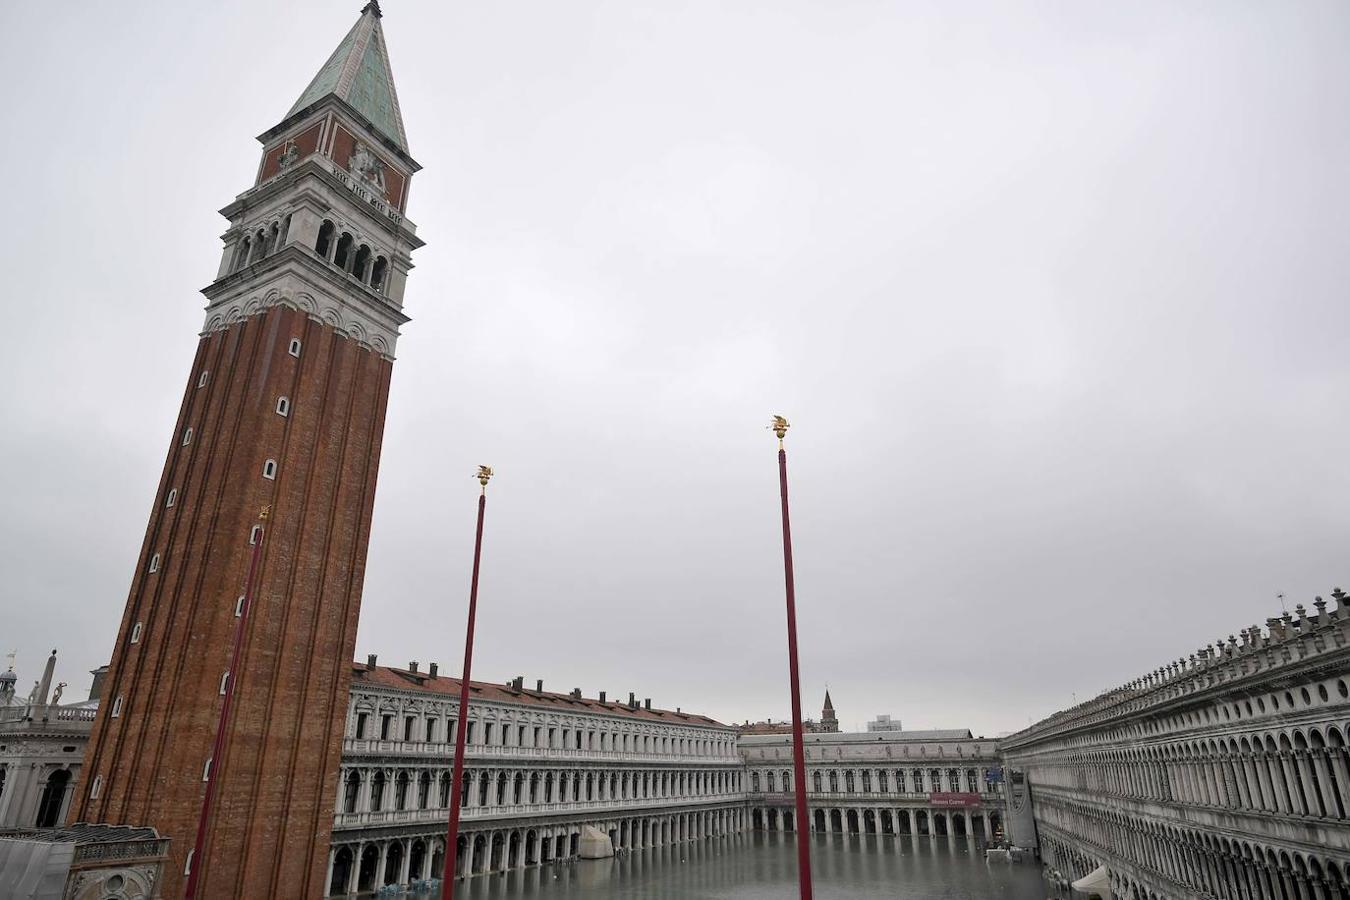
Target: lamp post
x=195 y=860
x=780 y=426
x=452 y=835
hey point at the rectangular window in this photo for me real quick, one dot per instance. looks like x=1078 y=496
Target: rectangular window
x=361 y=724
x=468 y=734
x=487 y=734
x=385 y=723
x=409 y=724
x=431 y=730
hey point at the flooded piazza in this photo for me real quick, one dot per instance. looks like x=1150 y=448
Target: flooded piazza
x=760 y=866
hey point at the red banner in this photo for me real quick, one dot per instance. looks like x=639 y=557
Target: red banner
x=953 y=799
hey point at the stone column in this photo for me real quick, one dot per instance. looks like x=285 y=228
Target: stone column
x=1304 y=769
x=379 y=869
x=1291 y=781
x=1321 y=766
x=406 y=863
x=328 y=879
x=355 y=873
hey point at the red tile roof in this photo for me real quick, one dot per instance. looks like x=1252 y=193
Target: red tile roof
x=387 y=676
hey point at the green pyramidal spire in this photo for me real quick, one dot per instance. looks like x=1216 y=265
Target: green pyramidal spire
x=358 y=72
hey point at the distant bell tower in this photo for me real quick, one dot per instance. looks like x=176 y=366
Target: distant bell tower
x=829 y=723
x=284 y=405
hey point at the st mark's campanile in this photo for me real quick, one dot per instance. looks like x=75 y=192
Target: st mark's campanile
x=284 y=406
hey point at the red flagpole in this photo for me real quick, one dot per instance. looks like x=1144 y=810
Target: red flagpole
x=452 y=836
x=218 y=748
x=803 y=821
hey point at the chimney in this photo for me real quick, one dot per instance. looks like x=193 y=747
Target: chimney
x=602 y=696
x=412 y=666
x=519 y=684
x=370 y=661
x=632 y=700
x=96 y=688
x=576 y=693
x=647 y=704
x=431 y=670
x=539 y=685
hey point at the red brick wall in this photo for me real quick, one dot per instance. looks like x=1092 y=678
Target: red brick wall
x=277 y=780
x=395 y=182
x=306 y=142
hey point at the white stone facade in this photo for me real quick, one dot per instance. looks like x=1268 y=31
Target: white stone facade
x=924 y=783
x=1223 y=774
x=540 y=768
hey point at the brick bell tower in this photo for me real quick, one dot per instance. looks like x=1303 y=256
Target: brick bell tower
x=284 y=405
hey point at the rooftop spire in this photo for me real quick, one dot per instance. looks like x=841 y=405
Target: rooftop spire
x=358 y=73
x=828 y=704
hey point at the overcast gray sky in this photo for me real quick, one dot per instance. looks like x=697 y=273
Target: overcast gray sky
x=1054 y=294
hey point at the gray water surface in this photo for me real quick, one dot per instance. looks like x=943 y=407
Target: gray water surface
x=760 y=866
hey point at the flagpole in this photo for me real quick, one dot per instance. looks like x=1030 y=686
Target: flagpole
x=452 y=836
x=803 y=821
x=218 y=748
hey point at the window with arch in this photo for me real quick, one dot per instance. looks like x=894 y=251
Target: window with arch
x=187 y=866
x=294 y=348
x=352 y=792
x=342 y=256
x=270 y=469
x=136 y=633
x=94 y=791
x=283 y=406
x=187 y=436
x=815 y=782
x=172 y=498
x=117 y=707
x=254 y=533
x=154 y=564
x=325 y=242
x=201 y=379
x=206 y=770
x=378 y=273
x=224 y=683
x=239 y=606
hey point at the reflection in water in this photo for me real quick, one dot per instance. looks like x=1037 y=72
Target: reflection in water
x=760 y=866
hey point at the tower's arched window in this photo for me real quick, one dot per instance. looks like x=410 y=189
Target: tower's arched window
x=187 y=436
x=254 y=533
x=172 y=498
x=378 y=272
x=154 y=563
x=241 y=253
x=187 y=865
x=360 y=263
x=239 y=606
x=343 y=256
x=117 y=707
x=285 y=231
x=201 y=379
x=294 y=348
x=283 y=406
x=224 y=682
x=94 y=791
x=273 y=238
x=206 y=771
x=259 y=246
x=325 y=242
x=136 y=633
x=270 y=469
